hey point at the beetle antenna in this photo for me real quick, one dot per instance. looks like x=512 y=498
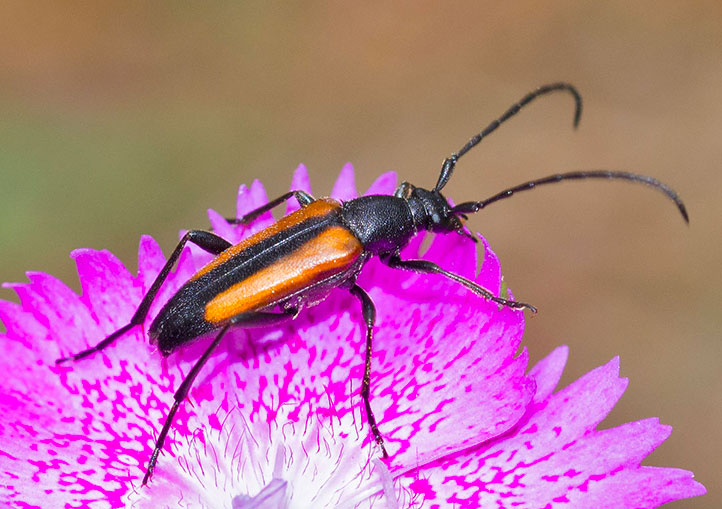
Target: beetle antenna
x=450 y=162
x=474 y=206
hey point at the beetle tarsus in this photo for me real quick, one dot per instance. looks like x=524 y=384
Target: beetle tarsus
x=100 y=346
x=302 y=197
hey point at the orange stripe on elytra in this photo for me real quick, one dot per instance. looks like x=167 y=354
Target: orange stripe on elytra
x=314 y=209
x=329 y=253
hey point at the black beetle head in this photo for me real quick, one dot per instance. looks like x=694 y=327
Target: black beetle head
x=433 y=212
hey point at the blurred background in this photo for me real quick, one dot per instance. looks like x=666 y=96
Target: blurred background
x=118 y=120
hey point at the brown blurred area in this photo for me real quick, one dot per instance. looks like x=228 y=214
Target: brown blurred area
x=118 y=120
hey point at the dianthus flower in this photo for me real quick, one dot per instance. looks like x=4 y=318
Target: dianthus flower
x=275 y=419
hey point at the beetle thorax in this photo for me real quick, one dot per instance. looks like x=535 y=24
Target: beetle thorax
x=382 y=223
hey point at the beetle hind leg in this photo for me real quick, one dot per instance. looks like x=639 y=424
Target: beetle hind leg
x=246 y=320
x=205 y=240
x=179 y=396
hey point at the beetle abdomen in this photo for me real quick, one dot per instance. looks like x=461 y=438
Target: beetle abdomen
x=180 y=321
x=329 y=252
x=289 y=257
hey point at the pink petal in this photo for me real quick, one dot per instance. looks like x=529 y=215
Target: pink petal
x=555 y=458
x=102 y=274
x=251 y=199
x=345 y=187
x=25 y=329
x=85 y=429
x=220 y=226
x=299 y=182
x=384 y=184
x=548 y=371
x=150 y=260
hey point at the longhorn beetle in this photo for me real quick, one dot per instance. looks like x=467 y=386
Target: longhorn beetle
x=270 y=276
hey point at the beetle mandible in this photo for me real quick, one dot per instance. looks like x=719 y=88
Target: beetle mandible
x=270 y=276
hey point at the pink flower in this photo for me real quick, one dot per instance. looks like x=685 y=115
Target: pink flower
x=275 y=418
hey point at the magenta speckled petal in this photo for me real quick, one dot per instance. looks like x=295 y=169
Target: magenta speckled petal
x=250 y=199
x=150 y=260
x=25 y=329
x=101 y=274
x=275 y=417
x=71 y=434
x=384 y=184
x=548 y=371
x=299 y=182
x=219 y=225
x=345 y=187
x=555 y=457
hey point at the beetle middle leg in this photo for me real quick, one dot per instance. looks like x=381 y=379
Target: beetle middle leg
x=426 y=267
x=302 y=197
x=205 y=240
x=246 y=320
x=369 y=314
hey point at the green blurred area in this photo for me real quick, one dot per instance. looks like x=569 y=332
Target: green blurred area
x=128 y=118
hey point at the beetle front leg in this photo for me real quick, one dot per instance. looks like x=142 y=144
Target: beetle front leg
x=302 y=197
x=427 y=267
x=205 y=240
x=369 y=314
